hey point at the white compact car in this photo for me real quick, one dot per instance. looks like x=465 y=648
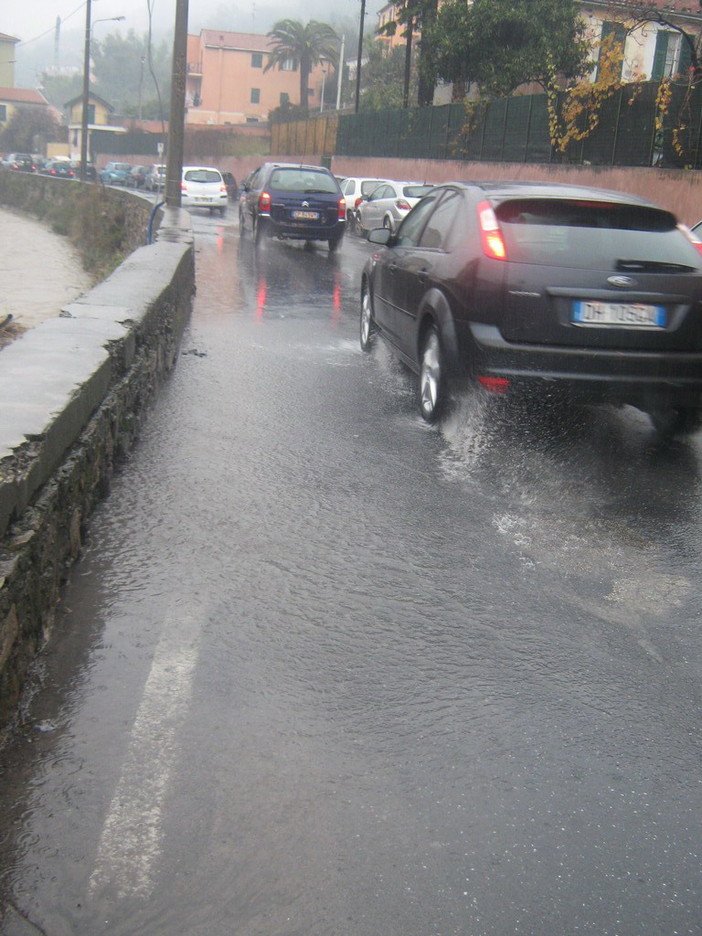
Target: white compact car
x=203 y=187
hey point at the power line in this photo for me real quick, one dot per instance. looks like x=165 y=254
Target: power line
x=46 y=33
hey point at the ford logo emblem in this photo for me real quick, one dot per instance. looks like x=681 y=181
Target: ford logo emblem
x=622 y=282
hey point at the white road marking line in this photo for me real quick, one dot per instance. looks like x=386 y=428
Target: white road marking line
x=130 y=843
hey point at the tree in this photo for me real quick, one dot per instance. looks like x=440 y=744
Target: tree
x=501 y=44
x=383 y=78
x=306 y=45
x=57 y=89
x=128 y=69
x=29 y=128
x=419 y=15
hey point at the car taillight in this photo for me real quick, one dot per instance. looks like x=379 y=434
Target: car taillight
x=695 y=241
x=264 y=201
x=490 y=233
x=183 y=187
x=494 y=384
x=358 y=201
x=222 y=188
x=342 y=209
x=403 y=205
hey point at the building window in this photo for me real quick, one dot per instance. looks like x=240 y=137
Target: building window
x=3 y=113
x=91 y=113
x=255 y=95
x=289 y=64
x=284 y=98
x=257 y=60
x=672 y=55
x=252 y=120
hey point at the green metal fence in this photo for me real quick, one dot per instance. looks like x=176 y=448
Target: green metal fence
x=516 y=129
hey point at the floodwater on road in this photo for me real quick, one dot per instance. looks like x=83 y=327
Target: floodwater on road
x=326 y=671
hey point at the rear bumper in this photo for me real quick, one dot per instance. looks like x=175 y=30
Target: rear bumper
x=642 y=378
x=302 y=231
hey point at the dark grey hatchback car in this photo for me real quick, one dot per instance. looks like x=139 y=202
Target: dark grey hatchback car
x=290 y=201
x=592 y=295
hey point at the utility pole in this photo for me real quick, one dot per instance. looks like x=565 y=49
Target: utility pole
x=360 y=53
x=176 y=129
x=86 y=96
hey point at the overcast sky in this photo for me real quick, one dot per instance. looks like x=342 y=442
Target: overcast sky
x=28 y=20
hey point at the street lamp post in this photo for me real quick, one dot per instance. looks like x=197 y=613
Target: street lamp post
x=86 y=87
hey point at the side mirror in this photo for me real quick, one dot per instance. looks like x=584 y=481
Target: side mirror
x=381 y=236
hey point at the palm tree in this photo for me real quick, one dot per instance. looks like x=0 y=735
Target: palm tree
x=306 y=45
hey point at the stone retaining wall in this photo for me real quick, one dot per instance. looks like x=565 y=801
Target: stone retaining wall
x=74 y=394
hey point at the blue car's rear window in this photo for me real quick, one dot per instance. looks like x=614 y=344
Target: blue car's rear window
x=301 y=180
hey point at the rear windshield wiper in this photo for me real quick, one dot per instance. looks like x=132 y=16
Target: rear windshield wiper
x=652 y=266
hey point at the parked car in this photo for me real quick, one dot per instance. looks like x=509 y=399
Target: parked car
x=60 y=167
x=232 y=187
x=292 y=201
x=115 y=173
x=90 y=170
x=517 y=287
x=21 y=162
x=155 y=178
x=389 y=204
x=354 y=190
x=203 y=187
x=136 y=177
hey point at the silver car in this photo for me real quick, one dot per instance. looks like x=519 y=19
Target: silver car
x=389 y=204
x=203 y=187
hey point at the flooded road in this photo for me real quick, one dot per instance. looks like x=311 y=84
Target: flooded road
x=326 y=671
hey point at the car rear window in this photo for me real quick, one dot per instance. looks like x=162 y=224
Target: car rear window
x=587 y=234
x=202 y=175
x=416 y=191
x=301 y=180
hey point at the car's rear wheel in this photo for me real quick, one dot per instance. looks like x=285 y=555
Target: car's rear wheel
x=334 y=243
x=676 y=421
x=431 y=390
x=368 y=326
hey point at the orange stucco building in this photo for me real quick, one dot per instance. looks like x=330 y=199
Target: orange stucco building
x=226 y=82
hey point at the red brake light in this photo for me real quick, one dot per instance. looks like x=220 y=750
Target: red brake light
x=494 y=384
x=342 y=209
x=264 y=202
x=490 y=233
x=358 y=201
x=403 y=205
x=183 y=187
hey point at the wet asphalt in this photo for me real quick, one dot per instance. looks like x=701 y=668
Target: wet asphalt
x=323 y=670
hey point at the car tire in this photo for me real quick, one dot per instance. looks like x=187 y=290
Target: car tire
x=388 y=225
x=223 y=210
x=431 y=383
x=368 y=328
x=676 y=421
x=242 y=226
x=334 y=243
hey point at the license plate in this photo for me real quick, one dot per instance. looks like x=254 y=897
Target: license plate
x=305 y=215
x=206 y=199
x=620 y=314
